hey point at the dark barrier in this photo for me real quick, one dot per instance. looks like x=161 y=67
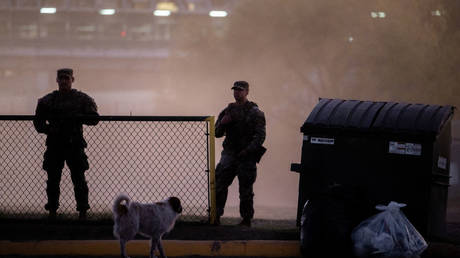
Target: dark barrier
x=358 y=154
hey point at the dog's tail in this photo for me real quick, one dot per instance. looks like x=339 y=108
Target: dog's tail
x=118 y=208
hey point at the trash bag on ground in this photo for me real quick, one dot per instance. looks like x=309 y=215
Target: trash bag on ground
x=387 y=234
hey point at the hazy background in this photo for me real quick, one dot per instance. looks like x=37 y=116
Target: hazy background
x=290 y=51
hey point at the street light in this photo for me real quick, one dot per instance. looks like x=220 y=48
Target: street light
x=215 y=13
x=107 y=11
x=162 y=13
x=48 y=10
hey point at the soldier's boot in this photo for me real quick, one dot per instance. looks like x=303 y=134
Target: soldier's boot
x=81 y=193
x=245 y=222
x=222 y=184
x=221 y=199
x=246 y=207
x=82 y=215
x=246 y=181
x=52 y=215
x=52 y=192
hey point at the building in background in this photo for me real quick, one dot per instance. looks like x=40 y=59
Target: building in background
x=176 y=57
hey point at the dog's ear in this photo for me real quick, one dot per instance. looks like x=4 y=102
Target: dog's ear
x=175 y=204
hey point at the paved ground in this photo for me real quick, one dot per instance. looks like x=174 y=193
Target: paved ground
x=72 y=256
x=23 y=230
x=32 y=230
x=26 y=231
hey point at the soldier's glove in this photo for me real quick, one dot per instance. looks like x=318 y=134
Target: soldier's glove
x=227 y=119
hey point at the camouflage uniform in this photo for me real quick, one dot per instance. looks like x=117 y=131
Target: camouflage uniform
x=245 y=132
x=65 y=142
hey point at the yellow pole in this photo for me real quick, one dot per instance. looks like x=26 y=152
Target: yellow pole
x=212 y=170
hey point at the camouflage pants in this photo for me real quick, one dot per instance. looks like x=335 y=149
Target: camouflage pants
x=228 y=168
x=53 y=163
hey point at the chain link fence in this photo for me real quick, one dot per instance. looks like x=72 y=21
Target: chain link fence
x=148 y=158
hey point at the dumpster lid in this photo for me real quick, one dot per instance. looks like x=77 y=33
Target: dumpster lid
x=370 y=116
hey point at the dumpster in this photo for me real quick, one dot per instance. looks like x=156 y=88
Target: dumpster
x=377 y=152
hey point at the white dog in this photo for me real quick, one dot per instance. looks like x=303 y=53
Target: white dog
x=150 y=220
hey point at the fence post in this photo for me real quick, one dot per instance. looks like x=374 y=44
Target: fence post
x=212 y=172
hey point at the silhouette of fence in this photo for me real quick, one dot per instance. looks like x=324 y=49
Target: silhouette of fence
x=148 y=158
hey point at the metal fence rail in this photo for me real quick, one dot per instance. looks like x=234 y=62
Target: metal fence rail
x=148 y=158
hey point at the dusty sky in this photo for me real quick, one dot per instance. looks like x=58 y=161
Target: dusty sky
x=291 y=52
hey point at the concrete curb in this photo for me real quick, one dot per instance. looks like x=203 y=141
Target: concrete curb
x=268 y=248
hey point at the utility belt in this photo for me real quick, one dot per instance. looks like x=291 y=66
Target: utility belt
x=253 y=155
x=66 y=141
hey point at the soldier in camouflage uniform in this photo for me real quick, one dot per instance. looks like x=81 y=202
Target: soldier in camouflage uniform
x=243 y=125
x=65 y=140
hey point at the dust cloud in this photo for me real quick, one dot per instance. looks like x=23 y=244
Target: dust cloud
x=291 y=52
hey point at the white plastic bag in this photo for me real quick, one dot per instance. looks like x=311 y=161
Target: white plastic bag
x=387 y=234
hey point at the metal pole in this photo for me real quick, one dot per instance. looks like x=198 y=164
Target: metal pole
x=212 y=171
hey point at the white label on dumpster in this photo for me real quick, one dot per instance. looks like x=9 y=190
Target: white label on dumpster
x=442 y=162
x=319 y=140
x=405 y=148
